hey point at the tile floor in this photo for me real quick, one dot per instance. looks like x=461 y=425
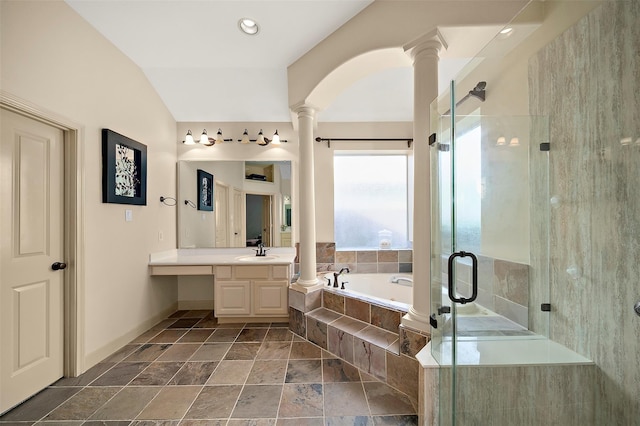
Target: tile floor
x=190 y=370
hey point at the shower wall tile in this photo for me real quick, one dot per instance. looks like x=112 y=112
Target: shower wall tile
x=516 y=313
x=511 y=281
x=587 y=81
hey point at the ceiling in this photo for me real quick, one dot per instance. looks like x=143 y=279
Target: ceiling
x=205 y=69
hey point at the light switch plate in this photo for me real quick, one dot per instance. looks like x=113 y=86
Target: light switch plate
x=128 y=215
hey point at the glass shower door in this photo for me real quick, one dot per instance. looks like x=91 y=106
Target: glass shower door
x=490 y=256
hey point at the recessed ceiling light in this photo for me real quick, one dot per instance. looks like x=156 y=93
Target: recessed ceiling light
x=506 y=30
x=248 y=26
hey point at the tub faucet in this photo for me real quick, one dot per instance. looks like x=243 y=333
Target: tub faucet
x=337 y=274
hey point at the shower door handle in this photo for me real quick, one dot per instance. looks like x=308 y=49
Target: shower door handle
x=474 y=277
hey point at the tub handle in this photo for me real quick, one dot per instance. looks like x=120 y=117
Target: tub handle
x=474 y=277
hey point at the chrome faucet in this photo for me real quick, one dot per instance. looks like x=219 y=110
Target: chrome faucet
x=337 y=274
x=261 y=250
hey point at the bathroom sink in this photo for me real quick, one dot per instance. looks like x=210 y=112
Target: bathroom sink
x=254 y=258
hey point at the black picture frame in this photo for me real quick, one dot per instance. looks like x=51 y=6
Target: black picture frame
x=124 y=169
x=205 y=191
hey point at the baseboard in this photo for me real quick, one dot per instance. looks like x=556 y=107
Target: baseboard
x=98 y=355
x=189 y=305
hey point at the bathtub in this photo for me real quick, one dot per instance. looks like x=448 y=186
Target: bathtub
x=376 y=288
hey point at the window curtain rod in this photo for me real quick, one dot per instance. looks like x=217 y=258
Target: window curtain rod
x=329 y=140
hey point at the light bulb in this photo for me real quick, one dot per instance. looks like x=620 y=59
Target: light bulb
x=219 y=138
x=245 y=137
x=261 y=140
x=514 y=142
x=501 y=141
x=276 y=138
x=204 y=139
x=188 y=140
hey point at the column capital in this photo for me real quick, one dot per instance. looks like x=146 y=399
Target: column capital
x=304 y=108
x=431 y=41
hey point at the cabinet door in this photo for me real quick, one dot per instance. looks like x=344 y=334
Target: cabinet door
x=232 y=298
x=270 y=298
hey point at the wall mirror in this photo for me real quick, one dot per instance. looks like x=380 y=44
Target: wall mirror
x=251 y=204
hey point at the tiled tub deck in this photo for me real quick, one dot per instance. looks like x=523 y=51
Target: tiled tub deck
x=362 y=333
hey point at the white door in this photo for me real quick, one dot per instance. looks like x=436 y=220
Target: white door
x=237 y=217
x=222 y=215
x=31 y=242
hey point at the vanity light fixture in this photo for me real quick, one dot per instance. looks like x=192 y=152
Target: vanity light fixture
x=514 y=142
x=204 y=139
x=245 y=137
x=261 y=140
x=276 y=138
x=207 y=141
x=248 y=26
x=501 y=141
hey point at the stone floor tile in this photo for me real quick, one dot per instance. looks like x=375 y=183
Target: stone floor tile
x=199 y=335
x=179 y=352
x=252 y=335
x=301 y=400
x=345 y=399
x=270 y=371
x=400 y=420
x=83 y=404
x=224 y=335
x=304 y=350
x=121 y=374
x=304 y=421
x=147 y=352
x=87 y=377
x=157 y=374
x=126 y=404
x=211 y=352
x=194 y=373
x=349 y=421
x=243 y=351
x=251 y=422
x=231 y=373
x=185 y=323
x=39 y=405
x=383 y=399
x=258 y=401
x=304 y=371
x=171 y=403
x=337 y=370
x=168 y=336
x=279 y=335
x=274 y=350
x=214 y=402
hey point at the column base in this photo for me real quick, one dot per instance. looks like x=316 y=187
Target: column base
x=304 y=286
x=416 y=321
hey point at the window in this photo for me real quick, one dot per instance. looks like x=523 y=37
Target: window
x=371 y=200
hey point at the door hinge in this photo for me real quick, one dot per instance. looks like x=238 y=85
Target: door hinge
x=545 y=146
x=433 y=321
x=545 y=307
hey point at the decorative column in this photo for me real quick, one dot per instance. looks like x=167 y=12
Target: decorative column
x=308 y=279
x=424 y=52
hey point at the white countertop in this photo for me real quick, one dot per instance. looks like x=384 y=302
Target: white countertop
x=222 y=256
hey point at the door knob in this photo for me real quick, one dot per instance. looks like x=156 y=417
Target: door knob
x=57 y=266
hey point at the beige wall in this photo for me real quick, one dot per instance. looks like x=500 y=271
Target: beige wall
x=53 y=59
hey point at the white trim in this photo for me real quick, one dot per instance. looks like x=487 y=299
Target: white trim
x=74 y=320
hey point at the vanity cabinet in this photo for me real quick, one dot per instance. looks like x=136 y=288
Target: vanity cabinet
x=251 y=291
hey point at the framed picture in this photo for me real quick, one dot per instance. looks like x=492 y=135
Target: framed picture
x=124 y=169
x=205 y=191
